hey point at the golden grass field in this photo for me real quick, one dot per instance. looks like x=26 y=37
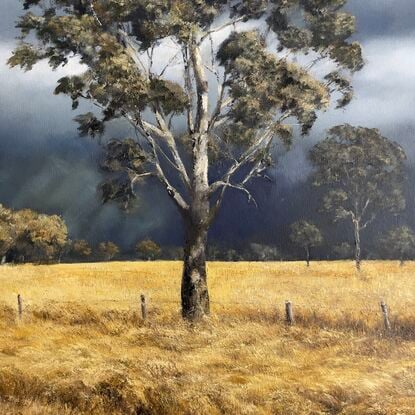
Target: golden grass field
x=82 y=348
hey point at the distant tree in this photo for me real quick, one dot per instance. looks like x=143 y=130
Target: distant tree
x=232 y=119
x=48 y=236
x=343 y=250
x=80 y=249
x=306 y=235
x=363 y=172
x=148 y=249
x=108 y=250
x=260 y=252
x=400 y=243
x=8 y=232
x=232 y=255
x=26 y=235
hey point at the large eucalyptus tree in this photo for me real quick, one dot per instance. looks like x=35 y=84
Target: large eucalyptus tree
x=207 y=87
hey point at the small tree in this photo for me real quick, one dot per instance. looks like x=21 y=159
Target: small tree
x=81 y=249
x=260 y=252
x=363 y=172
x=148 y=249
x=400 y=242
x=7 y=232
x=108 y=250
x=306 y=235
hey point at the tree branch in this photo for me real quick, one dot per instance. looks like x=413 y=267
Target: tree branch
x=171 y=191
x=202 y=89
x=248 y=156
x=219 y=28
x=171 y=142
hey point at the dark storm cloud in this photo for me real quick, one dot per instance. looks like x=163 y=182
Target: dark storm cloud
x=43 y=165
x=380 y=18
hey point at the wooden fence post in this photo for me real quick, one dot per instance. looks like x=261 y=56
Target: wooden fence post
x=19 y=306
x=385 y=313
x=289 y=316
x=143 y=307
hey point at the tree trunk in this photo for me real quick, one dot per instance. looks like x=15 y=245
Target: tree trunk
x=307 y=251
x=194 y=293
x=357 y=255
x=195 y=296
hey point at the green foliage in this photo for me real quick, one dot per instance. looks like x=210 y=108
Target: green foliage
x=30 y=236
x=89 y=125
x=81 y=249
x=108 y=250
x=148 y=249
x=362 y=170
x=260 y=84
x=305 y=234
x=400 y=243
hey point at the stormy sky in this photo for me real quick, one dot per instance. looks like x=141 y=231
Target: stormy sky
x=44 y=165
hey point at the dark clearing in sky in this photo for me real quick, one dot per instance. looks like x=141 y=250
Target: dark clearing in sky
x=45 y=166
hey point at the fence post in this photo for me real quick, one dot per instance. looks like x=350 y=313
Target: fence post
x=289 y=316
x=143 y=306
x=385 y=313
x=19 y=306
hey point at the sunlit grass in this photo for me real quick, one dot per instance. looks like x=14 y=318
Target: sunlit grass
x=82 y=347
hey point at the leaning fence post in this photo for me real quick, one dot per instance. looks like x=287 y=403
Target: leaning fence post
x=143 y=306
x=385 y=313
x=19 y=306
x=289 y=316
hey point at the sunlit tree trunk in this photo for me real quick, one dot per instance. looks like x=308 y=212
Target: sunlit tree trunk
x=307 y=251
x=194 y=292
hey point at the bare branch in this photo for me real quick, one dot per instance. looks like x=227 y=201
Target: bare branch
x=171 y=142
x=248 y=156
x=139 y=176
x=132 y=50
x=172 y=191
x=368 y=222
x=219 y=102
x=94 y=13
x=241 y=188
x=219 y=28
x=170 y=61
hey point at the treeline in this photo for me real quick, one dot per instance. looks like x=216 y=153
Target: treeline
x=29 y=236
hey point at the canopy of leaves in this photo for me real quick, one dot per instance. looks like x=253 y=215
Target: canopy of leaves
x=262 y=88
x=31 y=235
x=108 y=250
x=81 y=248
x=362 y=170
x=305 y=234
x=148 y=249
x=399 y=242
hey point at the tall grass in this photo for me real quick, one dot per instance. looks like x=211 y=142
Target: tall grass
x=82 y=348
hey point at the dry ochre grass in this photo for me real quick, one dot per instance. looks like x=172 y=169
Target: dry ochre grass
x=81 y=347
